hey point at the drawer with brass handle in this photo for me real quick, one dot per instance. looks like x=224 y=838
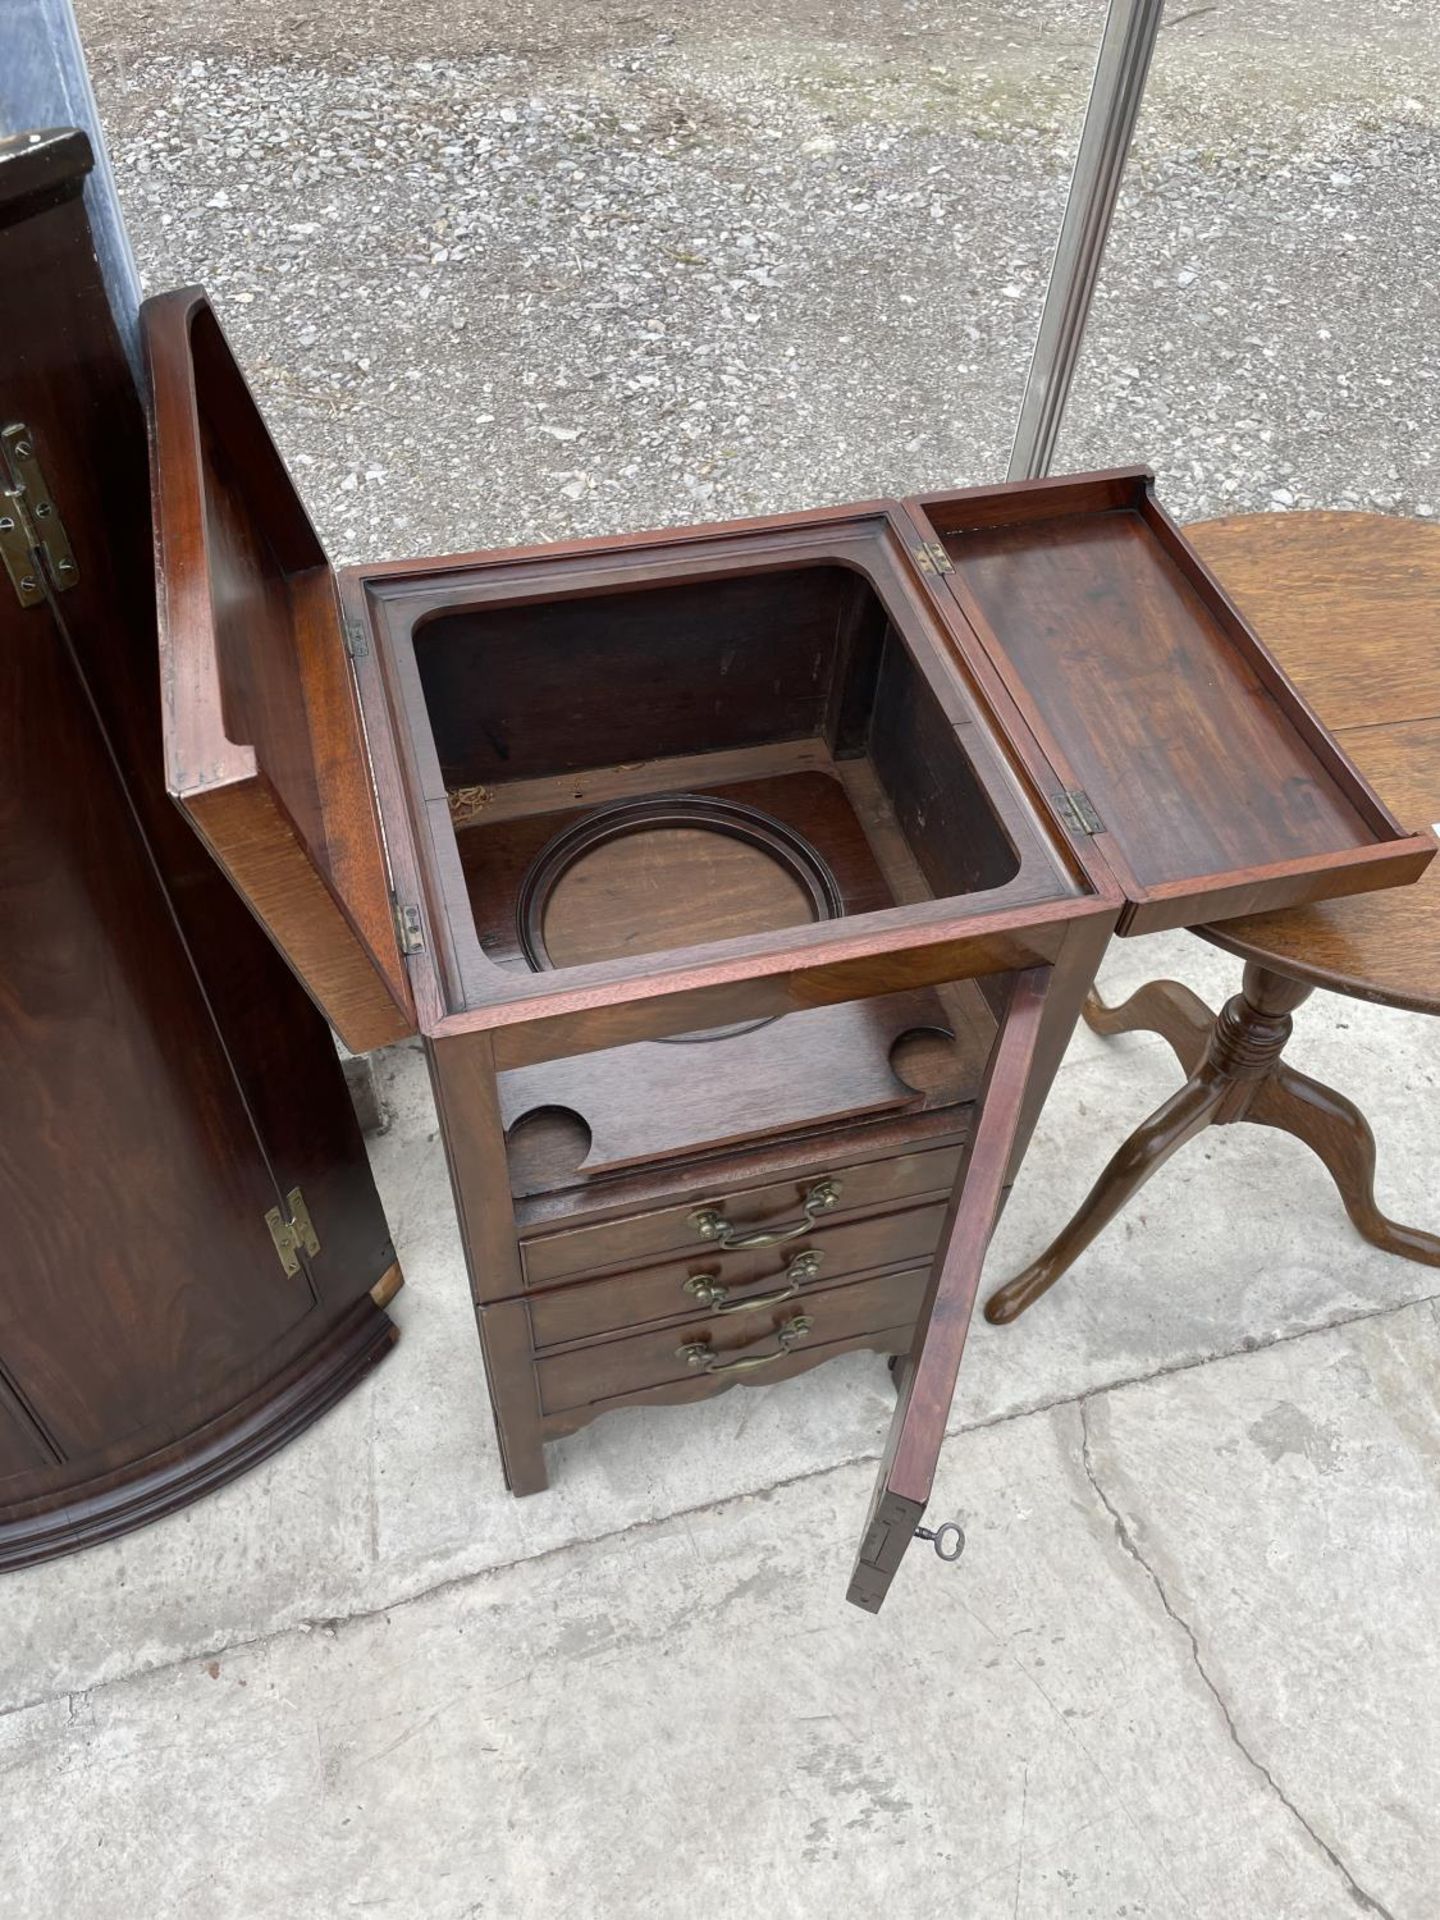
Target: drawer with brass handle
x=711 y=1224
x=713 y=1350
x=751 y=1217
x=788 y=1335
x=732 y=1284
x=711 y=1291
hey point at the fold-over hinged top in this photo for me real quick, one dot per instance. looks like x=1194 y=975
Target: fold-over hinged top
x=263 y=740
x=1178 y=746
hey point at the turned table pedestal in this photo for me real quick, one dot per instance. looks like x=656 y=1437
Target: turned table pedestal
x=1347 y=602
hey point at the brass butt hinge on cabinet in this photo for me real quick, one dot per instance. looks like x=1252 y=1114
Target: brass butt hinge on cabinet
x=408 y=929
x=295 y=1235
x=932 y=558
x=33 y=541
x=357 y=639
x=1078 y=813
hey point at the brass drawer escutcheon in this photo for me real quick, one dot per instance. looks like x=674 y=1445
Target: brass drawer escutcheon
x=712 y=1225
x=700 y=1354
x=708 y=1291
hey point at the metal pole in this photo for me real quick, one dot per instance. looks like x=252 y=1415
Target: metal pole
x=44 y=83
x=1114 y=107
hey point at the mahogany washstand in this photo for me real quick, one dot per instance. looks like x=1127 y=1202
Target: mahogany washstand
x=745 y=881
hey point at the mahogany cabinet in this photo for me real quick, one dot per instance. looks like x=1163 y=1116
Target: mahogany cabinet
x=193 y=1252
x=745 y=881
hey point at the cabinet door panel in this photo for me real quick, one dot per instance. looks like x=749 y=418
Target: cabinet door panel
x=917 y=1431
x=137 y=1263
x=164 y=1083
x=23 y=1447
x=264 y=747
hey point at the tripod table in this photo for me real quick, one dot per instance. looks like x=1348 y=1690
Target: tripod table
x=1349 y=603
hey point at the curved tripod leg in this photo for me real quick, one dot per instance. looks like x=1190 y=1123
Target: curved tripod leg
x=1339 y=1134
x=1161 y=1006
x=1183 y=1115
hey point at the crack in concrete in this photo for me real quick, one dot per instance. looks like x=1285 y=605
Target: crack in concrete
x=332 y=1624
x=307 y=1624
x=1259 y=1344
x=1020 y=1847
x=1364 y=1900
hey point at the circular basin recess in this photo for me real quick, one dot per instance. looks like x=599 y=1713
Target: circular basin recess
x=675 y=870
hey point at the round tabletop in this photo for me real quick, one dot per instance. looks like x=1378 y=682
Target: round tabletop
x=1349 y=604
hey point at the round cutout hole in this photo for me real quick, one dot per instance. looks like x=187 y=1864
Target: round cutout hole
x=544 y=1145
x=670 y=871
x=927 y=1060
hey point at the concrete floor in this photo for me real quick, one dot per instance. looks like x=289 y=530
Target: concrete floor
x=1190 y=1663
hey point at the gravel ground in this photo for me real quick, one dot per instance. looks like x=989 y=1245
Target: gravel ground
x=501 y=273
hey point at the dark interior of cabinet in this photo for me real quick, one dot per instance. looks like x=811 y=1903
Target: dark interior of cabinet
x=789 y=695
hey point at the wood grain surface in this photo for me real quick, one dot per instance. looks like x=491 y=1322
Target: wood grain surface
x=1218 y=789
x=263 y=743
x=1349 y=603
x=164 y=1081
x=659 y=1100
x=668 y=890
x=942 y=1321
x=751 y=1279
x=836 y=1317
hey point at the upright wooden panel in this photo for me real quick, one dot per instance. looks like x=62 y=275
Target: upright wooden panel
x=917 y=1430
x=164 y=1082
x=24 y=1447
x=946 y=821
x=263 y=741
x=134 y=1191
x=513 y=691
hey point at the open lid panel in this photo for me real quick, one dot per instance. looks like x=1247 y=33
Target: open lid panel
x=1175 y=740
x=264 y=746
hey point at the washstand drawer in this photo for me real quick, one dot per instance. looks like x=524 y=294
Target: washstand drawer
x=774 y=1208
x=738 y=1283
x=735 y=1347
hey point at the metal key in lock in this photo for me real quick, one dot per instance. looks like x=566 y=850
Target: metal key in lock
x=937 y=1539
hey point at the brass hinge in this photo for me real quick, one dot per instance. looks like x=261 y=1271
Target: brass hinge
x=932 y=558
x=294 y=1235
x=357 y=639
x=1078 y=813
x=33 y=540
x=408 y=929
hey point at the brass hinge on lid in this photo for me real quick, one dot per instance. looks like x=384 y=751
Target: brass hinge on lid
x=33 y=541
x=408 y=929
x=295 y=1235
x=932 y=558
x=1077 y=811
